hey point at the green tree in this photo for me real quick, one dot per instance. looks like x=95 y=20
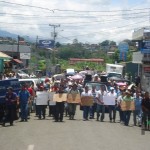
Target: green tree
x=41 y=64
x=105 y=43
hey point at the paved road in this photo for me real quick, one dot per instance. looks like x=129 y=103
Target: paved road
x=72 y=135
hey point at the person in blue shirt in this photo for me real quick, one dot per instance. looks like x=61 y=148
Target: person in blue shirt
x=24 y=97
x=137 y=113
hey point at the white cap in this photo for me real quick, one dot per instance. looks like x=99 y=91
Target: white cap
x=112 y=88
x=96 y=75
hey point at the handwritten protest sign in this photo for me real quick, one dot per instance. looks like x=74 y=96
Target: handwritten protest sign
x=60 y=97
x=127 y=105
x=87 y=101
x=109 y=100
x=74 y=98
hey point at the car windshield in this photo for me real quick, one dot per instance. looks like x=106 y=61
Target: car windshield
x=114 y=75
x=98 y=86
x=26 y=82
x=20 y=71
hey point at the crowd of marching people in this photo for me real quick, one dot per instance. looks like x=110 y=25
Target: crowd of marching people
x=25 y=102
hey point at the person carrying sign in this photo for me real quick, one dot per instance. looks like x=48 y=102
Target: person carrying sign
x=72 y=106
x=59 y=105
x=127 y=113
x=42 y=101
x=86 y=94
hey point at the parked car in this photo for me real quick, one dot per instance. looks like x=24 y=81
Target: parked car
x=97 y=84
x=22 y=74
x=29 y=81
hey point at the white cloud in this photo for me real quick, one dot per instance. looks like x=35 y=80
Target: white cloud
x=91 y=27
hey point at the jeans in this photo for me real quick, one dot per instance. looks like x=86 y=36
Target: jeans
x=112 y=112
x=137 y=115
x=86 y=110
x=42 y=110
x=93 y=110
x=72 y=109
x=100 y=109
x=24 y=111
x=127 y=115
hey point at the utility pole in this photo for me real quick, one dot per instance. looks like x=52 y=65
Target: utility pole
x=36 y=52
x=54 y=38
x=54 y=32
x=18 y=38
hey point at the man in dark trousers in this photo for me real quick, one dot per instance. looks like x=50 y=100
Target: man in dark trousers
x=10 y=101
x=59 y=106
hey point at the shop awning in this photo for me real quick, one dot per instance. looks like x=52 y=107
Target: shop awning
x=5 y=56
x=18 y=61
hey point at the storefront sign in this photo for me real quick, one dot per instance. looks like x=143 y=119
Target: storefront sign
x=25 y=55
x=146 y=69
x=145 y=47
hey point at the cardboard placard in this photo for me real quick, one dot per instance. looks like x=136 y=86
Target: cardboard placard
x=60 y=97
x=74 y=98
x=127 y=105
x=109 y=100
x=87 y=101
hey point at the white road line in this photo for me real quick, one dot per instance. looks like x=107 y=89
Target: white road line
x=30 y=147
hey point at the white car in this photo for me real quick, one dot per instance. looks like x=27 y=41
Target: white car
x=22 y=74
x=29 y=81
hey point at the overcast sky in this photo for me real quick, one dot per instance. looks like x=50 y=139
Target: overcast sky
x=89 y=21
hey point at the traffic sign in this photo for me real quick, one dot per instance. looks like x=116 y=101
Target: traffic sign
x=46 y=43
x=145 y=48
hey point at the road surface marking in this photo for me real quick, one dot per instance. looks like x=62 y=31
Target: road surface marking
x=30 y=147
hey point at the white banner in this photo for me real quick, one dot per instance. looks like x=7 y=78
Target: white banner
x=42 y=98
x=109 y=100
x=51 y=102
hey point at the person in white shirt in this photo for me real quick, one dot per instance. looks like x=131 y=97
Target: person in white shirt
x=86 y=109
x=42 y=101
x=100 y=104
x=112 y=108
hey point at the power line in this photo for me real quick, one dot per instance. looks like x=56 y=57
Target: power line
x=26 y=5
x=38 y=16
x=65 y=10
x=109 y=29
